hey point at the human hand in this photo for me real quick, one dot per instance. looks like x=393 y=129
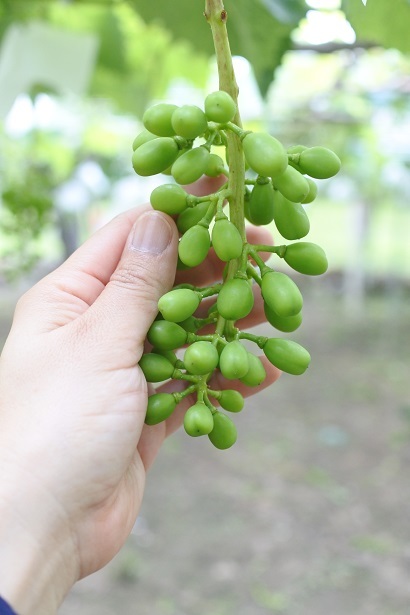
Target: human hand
x=74 y=448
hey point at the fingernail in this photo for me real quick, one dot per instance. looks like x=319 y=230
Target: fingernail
x=152 y=233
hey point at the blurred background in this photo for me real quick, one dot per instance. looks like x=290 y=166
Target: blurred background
x=308 y=514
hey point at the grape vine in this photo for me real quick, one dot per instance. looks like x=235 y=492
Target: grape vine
x=179 y=141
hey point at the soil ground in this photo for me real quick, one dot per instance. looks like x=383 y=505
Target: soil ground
x=309 y=513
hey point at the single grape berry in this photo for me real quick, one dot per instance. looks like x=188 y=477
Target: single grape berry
x=319 y=162
x=261 y=205
x=160 y=407
x=312 y=194
x=265 y=154
x=224 y=433
x=154 y=156
x=256 y=373
x=177 y=305
x=281 y=294
x=215 y=166
x=292 y=184
x=286 y=324
x=191 y=216
x=166 y=335
x=287 y=356
x=189 y=121
x=234 y=361
x=201 y=358
x=190 y=166
x=157 y=119
x=235 y=299
x=169 y=198
x=198 y=420
x=220 y=107
x=231 y=400
x=306 y=257
x=142 y=138
x=291 y=220
x=226 y=240
x=194 y=246
x=155 y=367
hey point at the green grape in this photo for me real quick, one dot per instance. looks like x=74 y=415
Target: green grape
x=223 y=434
x=292 y=184
x=281 y=294
x=282 y=323
x=226 y=240
x=179 y=304
x=141 y=138
x=189 y=121
x=154 y=156
x=215 y=166
x=166 y=335
x=194 y=245
x=261 y=204
x=198 y=420
x=220 y=107
x=287 y=356
x=157 y=119
x=156 y=368
x=190 y=166
x=296 y=149
x=191 y=216
x=168 y=354
x=169 y=198
x=319 y=162
x=290 y=218
x=234 y=361
x=231 y=400
x=256 y=373
x=235 y=299
x=190 y=324
x=160 y=407
x=201 y=358
x=306 y=257
x=265 y=154
x=312 y=194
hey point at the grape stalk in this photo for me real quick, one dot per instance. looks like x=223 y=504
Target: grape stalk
x=265 y=183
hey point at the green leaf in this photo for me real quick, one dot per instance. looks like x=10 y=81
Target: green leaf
x=380 y=22
x=259 y=30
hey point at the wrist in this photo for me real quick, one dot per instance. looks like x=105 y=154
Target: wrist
x=38 y=560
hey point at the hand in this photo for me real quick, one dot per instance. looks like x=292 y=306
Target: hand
x=74 y=448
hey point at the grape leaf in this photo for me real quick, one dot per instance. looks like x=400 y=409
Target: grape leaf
x=259 y=30
x=380 y=22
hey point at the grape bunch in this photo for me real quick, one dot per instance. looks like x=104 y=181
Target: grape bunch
x=178 y=141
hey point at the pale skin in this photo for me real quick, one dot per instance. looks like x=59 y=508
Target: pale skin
x=74 y=449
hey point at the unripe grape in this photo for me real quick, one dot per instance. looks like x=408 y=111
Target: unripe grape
x=189 y=121
x=256 y=373
x=198 y=420
x=234 y=361
x=215 y=166
x=190 y=166
x=157 y=119
x=143 y=137
x=281 y=294
x=282 y=323
x=290 y=218
x=201 y=358
x=160 y=407
x=223 y=434
x=296 y=149
x=166 y=335
x=220 y=107
x=231 y=400
x=190 y=324
x=179 y=304
x=261 y=205
x=168 y=354
x=287 y=356
x=306 y=257
x=226 y=240
x=194 y=246
x=319 y=162
x=235 y=299
x=169 y=198
x=265 y=154
x=292 y=184
x=191 y=216
x=312 y=194
x=155 y=367
x=154 y=156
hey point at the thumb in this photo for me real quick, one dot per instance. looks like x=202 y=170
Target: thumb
x=129 y=303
